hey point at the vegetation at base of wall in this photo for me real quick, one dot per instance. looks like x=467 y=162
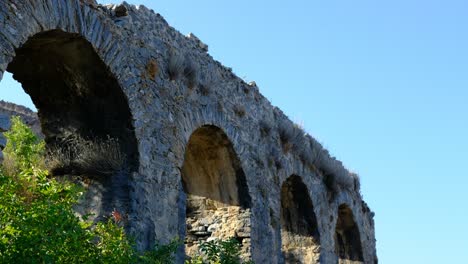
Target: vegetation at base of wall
x=38 y=224
x=37 y=221
x=219 y=252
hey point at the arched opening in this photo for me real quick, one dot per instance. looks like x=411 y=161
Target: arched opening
x=217 y=199
x=300 y=238
x=84 y=116
x=347 y=238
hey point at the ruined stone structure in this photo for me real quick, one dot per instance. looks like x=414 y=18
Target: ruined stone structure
x=206 y=155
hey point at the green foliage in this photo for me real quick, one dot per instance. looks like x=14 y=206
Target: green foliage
x=37 y=221
x=113 y=245
x=161 y=254
x=219 y=252
x=23 y=146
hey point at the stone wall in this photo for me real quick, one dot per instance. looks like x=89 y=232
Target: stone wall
x=122 y=71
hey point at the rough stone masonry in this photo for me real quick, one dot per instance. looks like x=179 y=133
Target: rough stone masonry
x=207 y=156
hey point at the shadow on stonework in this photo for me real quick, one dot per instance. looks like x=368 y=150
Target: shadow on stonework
x=347 y=239
x=300 y=239
x=217 y=201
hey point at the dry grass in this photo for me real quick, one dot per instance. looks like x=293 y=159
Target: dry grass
x=310 y=154
x=208 y=80
x=152 y=69
x=336 y=177
x=239 y=110
x=205 y=89
x=176 y=65
x=182 y=65
x=265 y=128
x=191 y=73
x=291 y=136
x=9 y=166
x=274 y=159
x=96 y=157
x=334 y=174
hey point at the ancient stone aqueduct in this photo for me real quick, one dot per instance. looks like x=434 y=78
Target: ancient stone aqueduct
x=206 y=154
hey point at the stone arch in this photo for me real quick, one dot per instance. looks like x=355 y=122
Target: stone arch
x=300 y=237
x=348 y=246
x=79 y=100
x=217 y=200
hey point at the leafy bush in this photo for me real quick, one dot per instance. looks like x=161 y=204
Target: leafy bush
x=161 y=254
x=219 y=252
x=24 y=149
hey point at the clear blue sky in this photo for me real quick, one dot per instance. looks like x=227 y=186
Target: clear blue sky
x=382 y=84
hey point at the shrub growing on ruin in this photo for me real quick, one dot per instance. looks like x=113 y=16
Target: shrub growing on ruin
x=239 y=110
x=209 y=79
x=265 y=128
x=205 y=89
x=274 y=158
x=176 y=65
x=311 y=151
x=335 y=177
x=101 y=157
x=291 y=136
x=219 y=252
x=190 y=73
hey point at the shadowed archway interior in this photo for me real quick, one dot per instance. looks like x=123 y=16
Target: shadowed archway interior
x=83 y=112
x=347 y=239
x=217 y=197
x=300 y=239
